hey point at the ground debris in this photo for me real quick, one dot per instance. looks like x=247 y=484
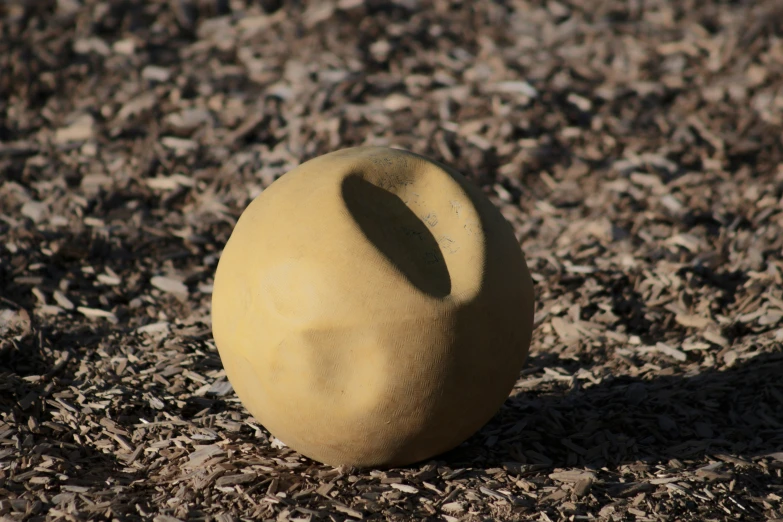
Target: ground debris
x=634 y=147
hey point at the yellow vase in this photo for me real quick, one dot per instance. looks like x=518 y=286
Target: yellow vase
x=372 y=308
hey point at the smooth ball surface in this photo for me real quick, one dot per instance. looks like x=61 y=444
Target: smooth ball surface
x=372 y=308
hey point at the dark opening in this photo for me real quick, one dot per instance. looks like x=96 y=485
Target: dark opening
x=399 y=234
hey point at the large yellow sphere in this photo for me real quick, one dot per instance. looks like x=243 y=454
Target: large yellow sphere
x=372 y=308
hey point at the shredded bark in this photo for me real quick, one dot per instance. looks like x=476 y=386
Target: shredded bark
x=635 y=147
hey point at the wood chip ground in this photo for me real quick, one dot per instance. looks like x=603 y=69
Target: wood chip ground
x=635 y=146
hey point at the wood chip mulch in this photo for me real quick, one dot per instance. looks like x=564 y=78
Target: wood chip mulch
x=635 y=146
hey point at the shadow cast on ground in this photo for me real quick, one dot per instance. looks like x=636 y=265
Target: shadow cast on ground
x=737 y=411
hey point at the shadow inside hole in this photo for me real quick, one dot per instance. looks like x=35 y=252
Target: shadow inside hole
x=398 y=234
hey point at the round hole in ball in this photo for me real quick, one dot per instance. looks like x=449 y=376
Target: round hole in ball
x=399 y=234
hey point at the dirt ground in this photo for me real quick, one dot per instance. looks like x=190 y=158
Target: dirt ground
x=635 y=146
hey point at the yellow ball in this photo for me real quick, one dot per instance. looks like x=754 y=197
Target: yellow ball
x=372 y=308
